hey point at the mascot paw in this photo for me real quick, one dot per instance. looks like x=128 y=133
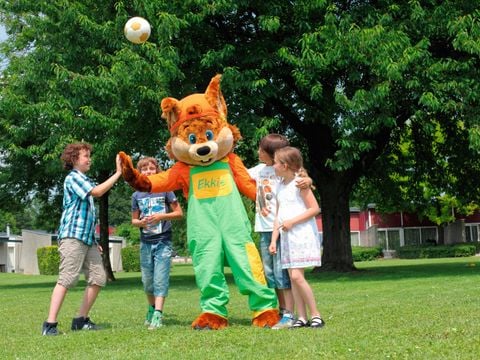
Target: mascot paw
x=209 y=321
x=266 y=319
x=132 y=176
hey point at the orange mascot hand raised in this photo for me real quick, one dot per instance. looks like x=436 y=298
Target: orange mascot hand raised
x=132 y=176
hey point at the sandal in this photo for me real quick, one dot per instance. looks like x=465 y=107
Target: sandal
x=299 y=324
x=317 y=322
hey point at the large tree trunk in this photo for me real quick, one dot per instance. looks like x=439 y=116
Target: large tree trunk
x=104 y=236
x=337 y=248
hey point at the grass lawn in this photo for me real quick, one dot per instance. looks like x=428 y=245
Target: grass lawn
x=389 y=309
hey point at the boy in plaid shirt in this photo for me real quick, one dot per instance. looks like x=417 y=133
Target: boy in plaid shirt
x=76 y=237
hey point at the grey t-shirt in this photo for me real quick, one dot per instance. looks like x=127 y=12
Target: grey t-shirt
x=153 y=203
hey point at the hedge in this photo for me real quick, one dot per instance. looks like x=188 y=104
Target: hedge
x=439 y=251
x=48 y=260
x=131 y=258
x=363 y=253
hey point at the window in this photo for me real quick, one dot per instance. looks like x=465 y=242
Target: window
x=393 y=239
x=355 y=238
x=412 y=236
x=471 y=232
x=389 y=239
x=382 y=238
x=417 y=236
x=429 y=236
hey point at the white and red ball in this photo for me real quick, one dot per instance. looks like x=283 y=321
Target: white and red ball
x=137 y=30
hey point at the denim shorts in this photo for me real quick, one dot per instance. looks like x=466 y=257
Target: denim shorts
x=155 y=262
x=75 y=258
x=277 y=278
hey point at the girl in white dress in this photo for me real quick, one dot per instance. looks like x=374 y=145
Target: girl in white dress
x=295 y=224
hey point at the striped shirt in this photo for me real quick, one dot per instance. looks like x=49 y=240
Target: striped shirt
x=78 y=216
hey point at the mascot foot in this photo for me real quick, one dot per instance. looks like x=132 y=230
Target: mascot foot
x=266 y=319
x=209 y=321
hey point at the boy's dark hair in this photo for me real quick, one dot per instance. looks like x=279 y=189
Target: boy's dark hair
x=272 y=142
x=71 y=152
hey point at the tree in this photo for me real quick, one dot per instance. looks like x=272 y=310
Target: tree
x=343 y=79
x=71 y=77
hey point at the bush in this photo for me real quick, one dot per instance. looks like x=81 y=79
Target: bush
x=363 y=253
x=441 y=251
x=48 y=260
x=131 y=258
x=179 y=236
x=129 y=233
x=477 y=246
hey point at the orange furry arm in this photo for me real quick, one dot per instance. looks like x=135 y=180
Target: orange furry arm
x=245 y=183
x=132 y=176
x=175 y=178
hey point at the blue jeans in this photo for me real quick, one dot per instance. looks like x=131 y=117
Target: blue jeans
x=155 y=261
x=277 y=278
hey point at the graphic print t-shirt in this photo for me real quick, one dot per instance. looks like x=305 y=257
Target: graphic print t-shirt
x=267 y=183
x=153 y=203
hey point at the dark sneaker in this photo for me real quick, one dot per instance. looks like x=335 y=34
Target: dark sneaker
x=49 y=329
x=82 y=323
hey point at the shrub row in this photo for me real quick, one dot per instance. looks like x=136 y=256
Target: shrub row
x=440 y=251
x=131 y=258
x=48 y=260
x=363 y=253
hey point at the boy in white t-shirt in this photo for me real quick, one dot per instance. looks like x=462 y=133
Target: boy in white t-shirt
x=267 y=182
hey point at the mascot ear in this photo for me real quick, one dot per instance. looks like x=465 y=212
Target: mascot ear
x=215 y=98
x=170 y=111
x=237 y=136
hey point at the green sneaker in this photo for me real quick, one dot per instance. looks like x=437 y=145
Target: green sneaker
x=156 y=320
x=148 y=317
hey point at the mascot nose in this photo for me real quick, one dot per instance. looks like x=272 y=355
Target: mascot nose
x=204 y=150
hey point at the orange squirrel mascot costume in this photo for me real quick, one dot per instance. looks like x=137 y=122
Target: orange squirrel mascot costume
x=218 y=228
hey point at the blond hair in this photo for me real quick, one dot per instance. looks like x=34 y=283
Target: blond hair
x=290 y=156
x=148 y=160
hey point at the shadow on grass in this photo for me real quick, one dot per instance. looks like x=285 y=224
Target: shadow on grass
x=183 y=278
x=178 y=281
x=401 y=269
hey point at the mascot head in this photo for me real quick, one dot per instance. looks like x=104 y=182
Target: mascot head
x=200 y=134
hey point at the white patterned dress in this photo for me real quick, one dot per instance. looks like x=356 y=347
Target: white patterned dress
x=300 y=246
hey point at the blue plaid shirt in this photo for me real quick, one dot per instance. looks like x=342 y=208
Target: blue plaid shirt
x=78 y=217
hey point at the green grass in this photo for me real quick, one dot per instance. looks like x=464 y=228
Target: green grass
x=390 y=309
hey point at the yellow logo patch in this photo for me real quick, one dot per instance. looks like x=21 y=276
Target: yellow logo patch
x=210 y=184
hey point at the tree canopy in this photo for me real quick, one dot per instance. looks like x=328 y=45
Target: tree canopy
x=350 y=82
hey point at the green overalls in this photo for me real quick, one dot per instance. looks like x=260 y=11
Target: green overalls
x=219 y=230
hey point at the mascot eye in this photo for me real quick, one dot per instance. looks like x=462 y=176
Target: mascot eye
x=192 y=138
x=209 y=134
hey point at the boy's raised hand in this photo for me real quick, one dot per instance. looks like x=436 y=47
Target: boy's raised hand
x=132 y=176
